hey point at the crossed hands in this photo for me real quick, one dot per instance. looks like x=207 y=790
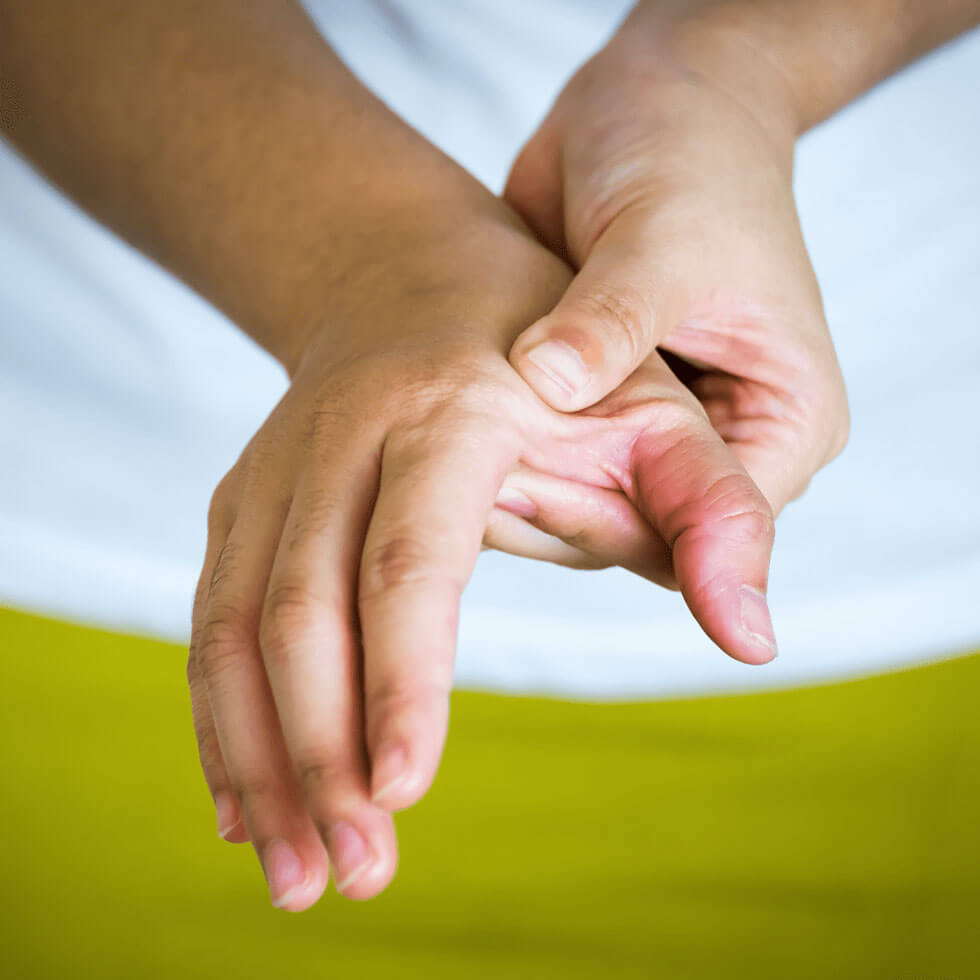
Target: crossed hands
x=338 y=546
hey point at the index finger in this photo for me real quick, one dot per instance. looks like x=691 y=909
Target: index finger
x=692 y=488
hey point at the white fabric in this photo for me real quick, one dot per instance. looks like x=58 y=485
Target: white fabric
x=124 y=398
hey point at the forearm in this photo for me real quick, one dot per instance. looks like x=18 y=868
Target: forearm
x=822 y=54
x=225 y=140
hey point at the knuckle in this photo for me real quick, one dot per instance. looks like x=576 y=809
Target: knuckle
x=741 y=509
x=225 y=566
x=578 y=532
x=309 y=522
x=735 y=495
x=404 y=560
x=755 y=523
x=731 y=508
x=287 y=617
x=624 y=312
x=255 y=789
x=207 y=587
x=322 y=774
x=223 y=639
x=221 y=505
x=332 y=414
x=674 y=416
x=400 y=695
x=458 y=406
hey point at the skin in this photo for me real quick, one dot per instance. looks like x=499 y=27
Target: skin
x=325 y=618
x=663 y=174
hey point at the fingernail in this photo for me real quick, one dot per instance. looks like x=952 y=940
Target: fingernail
x=349 y=855
x=757 y=621
x=389 y=770
x=226 y=809
x=515 y=502
x=561 y=364
x=284 y=871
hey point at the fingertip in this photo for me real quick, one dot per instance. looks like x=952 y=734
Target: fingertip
x=734 y=613
x=755 y=625
x=293 y=885
x=395 y=783
x=303 y=897
x=361 y=871
x=237 y=835
x=368 y=884
x=389 y=770
x=557 y=373
x=228 y=814
x=737 y=618
x=516 y=502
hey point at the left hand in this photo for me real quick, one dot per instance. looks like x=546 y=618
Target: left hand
x=664 y=175
x=643 y=480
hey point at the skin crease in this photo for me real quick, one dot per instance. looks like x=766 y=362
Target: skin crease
x=324 y=621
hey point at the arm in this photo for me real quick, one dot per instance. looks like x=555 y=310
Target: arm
x=226 y=141
x=826 y=52
x=664 y=174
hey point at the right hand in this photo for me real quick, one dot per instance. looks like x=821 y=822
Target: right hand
x=664 y=172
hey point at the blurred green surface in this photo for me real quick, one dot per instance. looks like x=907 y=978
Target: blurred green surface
x=829 y=832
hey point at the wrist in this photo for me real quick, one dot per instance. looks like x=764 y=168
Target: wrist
x=805 y=59
x=728 y=48
x=345 y=247
x=462 y=273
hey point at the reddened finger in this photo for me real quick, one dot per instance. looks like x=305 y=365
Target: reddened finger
x=716 y=521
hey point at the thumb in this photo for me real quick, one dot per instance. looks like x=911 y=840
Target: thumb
x=617 y=309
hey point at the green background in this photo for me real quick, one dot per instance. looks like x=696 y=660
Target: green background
x=828 y=832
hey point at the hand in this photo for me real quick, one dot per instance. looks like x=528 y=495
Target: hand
x=664 y=174
x=325 y=618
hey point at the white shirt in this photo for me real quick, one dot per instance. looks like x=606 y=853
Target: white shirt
x=124 y=398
